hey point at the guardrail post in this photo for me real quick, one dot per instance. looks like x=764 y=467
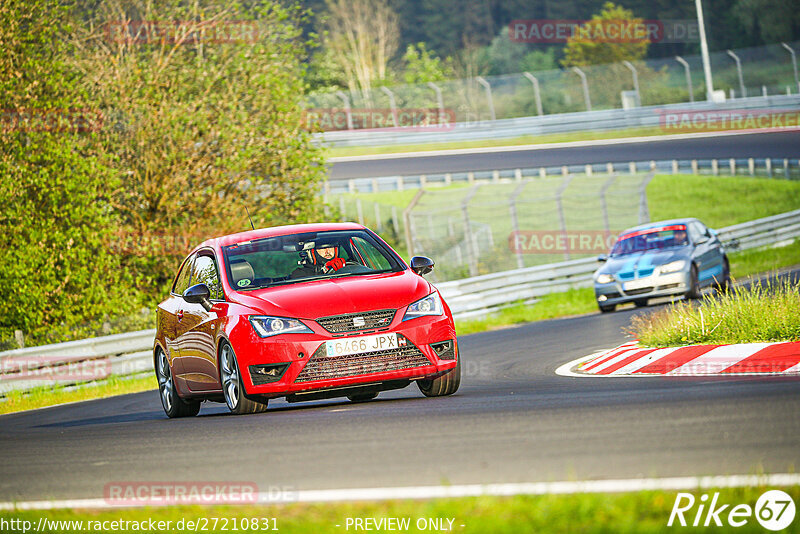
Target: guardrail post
x=535 y=81
x=585 y=83
x=768 y=164
x=400 y=183
x=632 y=167
x=351 y=186
x=751 y=166
x=374 y=185
x=786 y=168
x=471 y=178
x=542 y=172
x=610 y=168
x=694 y=166
x=448 y=179
x=739 y=71
x=588 y=170
x=488 y=88
x=794 y=64
x=496 y=176
x=564 y=171
x=423 y=181
x=518 y=175
x=348 y=113
x=733 y=167
x=674 y=166
x=715 y=167
x=688 y=72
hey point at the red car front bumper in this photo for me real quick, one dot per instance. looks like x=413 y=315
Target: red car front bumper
x=417 y=359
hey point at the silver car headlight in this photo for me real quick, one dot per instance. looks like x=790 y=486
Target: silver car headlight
x=672 y=266
x=604 y=278
x=430 y=305
x=266 y=326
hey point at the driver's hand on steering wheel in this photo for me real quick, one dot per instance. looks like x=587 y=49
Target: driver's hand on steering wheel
x=335 y=264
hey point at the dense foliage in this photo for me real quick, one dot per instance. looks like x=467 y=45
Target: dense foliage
x=133 y=131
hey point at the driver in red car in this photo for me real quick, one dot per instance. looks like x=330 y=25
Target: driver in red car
x=323 y=259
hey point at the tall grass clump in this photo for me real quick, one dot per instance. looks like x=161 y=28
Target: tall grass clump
x=763 y=312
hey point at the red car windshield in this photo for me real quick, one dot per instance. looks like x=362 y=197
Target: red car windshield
x=651 y=239
x=308 y=256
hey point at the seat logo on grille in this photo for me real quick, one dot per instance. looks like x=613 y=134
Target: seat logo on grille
x=358 y=321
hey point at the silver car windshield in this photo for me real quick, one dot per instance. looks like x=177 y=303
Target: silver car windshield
x=651 y=239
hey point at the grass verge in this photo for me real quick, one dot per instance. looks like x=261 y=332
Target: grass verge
x=48 y=396
x=762 y=313
x=645 y=511
x=488 y=143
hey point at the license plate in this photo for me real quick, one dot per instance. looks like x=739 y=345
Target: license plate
x=360 y=345
x=637 y=284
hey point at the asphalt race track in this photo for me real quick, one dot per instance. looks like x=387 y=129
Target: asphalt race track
x=755 y=145
x=513 y=420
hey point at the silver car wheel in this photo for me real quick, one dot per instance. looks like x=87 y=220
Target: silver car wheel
x=165 y=385
x=230 y=377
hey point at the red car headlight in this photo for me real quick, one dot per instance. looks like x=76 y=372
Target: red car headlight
x=267 y=326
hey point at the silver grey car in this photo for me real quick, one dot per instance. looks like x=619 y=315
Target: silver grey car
x=660 y=259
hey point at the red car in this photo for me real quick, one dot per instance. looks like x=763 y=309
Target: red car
x=304 y=312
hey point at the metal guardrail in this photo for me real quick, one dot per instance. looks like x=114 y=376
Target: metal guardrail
x=93 y=359
x=602 y=120
x=479 y=295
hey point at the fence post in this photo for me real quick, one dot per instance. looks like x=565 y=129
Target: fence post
x=733 y=167
x=472 y=254
x=683 y=62
x=392 y=103
x=694 y=166
x=739 y=71
x=715 y=167
x=374 y=185
x=644 y=212
x=19 y=337
x=635 y=80
x=535 y=82
x=439 y=100
x=603 y=192
x=512 y=207
x=400 y=183
x=674 y=166
x=378 y=223
x=794 y=64
x=768 y=164
x=586 y=99
x=751 y=166
x=395 y=222
x=407 y=220
x=561 y=217
x=488 y=87
x=346 y=103
x=786 y=168
x=360 y=211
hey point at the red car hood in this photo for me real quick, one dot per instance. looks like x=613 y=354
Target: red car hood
x=309 y=300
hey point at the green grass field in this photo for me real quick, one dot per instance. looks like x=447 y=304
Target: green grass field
x=635 y=512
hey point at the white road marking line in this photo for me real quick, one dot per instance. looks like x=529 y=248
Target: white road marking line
x=718 y=359
x=645 y=361
x=468 y=490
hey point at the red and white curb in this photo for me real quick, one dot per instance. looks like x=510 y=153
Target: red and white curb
x=774 y=359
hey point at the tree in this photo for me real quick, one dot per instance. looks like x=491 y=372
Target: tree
x=421 y=66
x=204 y=118
x=363 y=36
x=55 y=217
x=592 y=46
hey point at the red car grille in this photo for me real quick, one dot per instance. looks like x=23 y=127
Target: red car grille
x=321 y=367
x=352 y=322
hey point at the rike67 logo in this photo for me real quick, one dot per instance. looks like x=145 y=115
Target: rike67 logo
x=774 y=510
